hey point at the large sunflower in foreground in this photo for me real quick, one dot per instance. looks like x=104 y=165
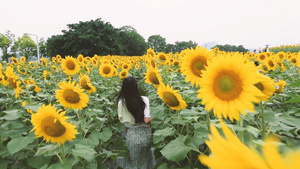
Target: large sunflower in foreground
x=70 y=65
x=171 y=97
x=194 y=62
x=86 y=84
x=152 y=76
x=71 y=96
x=231 y=153
x=266 y=85
x=51 y=124
x=227 y=86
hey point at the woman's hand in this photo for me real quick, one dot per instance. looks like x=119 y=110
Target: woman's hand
x=147 y=120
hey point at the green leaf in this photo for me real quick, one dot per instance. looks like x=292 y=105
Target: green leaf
x=160 y=135
x=84 y=151
x=18 y=143
x=295 y=99
x=105 y=134
x=12 y=114
x=294 y=84
x=47 y=149
x=254 y=131
x=36 y=161
x=176 y=149
x=34 y=108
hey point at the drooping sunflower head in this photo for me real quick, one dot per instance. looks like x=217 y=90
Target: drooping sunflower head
x=71 y=96
x=70 y=66
x=51 y=124
x=86 y=84
x=106 y=70
x=171 y=97
x=266 y=86
x=153 y=76
x=280 y=86
x=44 y=61
x=194 y=62
x=227 y=86
x=150 y=53
x=123 y=74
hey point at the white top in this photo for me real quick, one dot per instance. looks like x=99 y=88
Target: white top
x=126 y=117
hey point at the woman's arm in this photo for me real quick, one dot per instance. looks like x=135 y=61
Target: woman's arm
x=147 y=120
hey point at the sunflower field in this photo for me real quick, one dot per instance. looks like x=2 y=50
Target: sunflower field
x=210 y=109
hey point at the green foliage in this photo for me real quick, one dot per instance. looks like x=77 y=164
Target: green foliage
x=6 y=42
x=231 y=48
x=133 y=44
x=179 y=46
x=157 y=43
x=97 y=37
x=24 y=46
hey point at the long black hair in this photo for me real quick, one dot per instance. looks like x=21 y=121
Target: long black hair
x=132 y=99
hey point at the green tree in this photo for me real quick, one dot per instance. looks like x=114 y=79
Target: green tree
x=179 y=46
x=6 y=42
x=43 y=48
x=157 y=43
x=231 y=48
x=24 y=46
x=133 y=44
x=86 y=38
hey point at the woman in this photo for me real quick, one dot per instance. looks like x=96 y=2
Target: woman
x=134 y=112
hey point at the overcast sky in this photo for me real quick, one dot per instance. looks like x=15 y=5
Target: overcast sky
x=251 y=23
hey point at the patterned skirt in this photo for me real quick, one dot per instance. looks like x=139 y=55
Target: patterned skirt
x=138 y=142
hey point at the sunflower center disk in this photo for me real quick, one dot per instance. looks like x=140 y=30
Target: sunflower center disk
x=197 y=67
x=71 y=96
x=227 y=87
x=106 y=70
x=170 y=99
x=260 y=86
x=53 y=127
x=153 y=78
x=70 y=65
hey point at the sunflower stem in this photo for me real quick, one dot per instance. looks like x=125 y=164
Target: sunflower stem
x=241 y=131
x=63 y=153
x=208 y=120
x=1 y=142
x=263 y=125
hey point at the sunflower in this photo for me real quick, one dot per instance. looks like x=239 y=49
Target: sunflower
x=23 y=70
x=269 y=62
x=162 y=58
x=106 y=70
x=86 y=68
x=14 y=60
x=280 y=86
x=46 y=75
x=150 y=53
x=266 y=86
x=152 y=76
x=3 y=81
x=23 y=59
x=80 y=59
x=123 y=74
x=71 y=96
x=230 y=152
x=44 y=61
x=281 y=55
x=194 y=63
x=13 y=80
x=51 y=124
x=227 y=86
x=171 y=97
x=86 y=84
x=261 y=57
x=70 y=65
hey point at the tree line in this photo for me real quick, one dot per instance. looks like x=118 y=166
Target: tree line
x=90 y=38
